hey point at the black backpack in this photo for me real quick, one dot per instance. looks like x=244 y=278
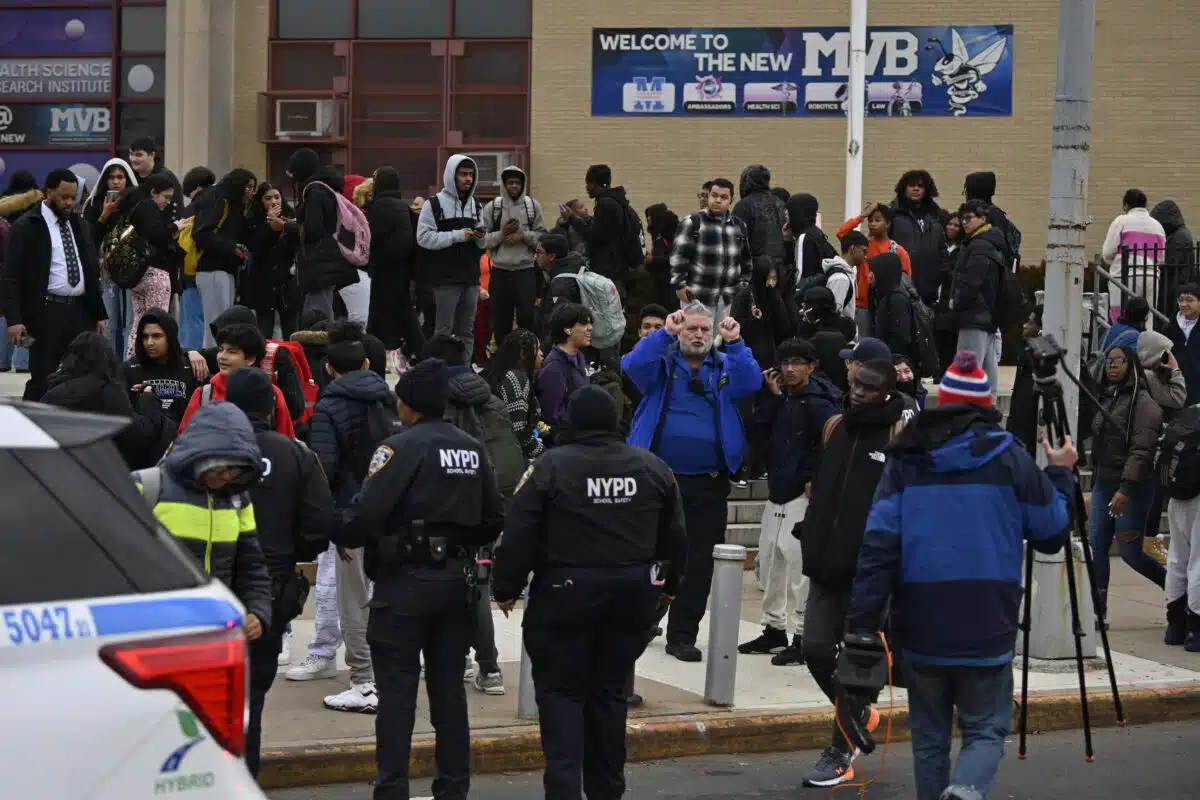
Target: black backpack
x=822 y=279
x=490 y=425
x=379 y=422
x=633 y=242
x=1178 y=461
x=1010 y=297
x=922 y=333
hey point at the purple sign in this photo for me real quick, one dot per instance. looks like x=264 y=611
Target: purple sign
x=67 y=30
x=84 y=163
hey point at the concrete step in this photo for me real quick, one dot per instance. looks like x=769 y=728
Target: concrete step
x=745 y=511
x=745 y=534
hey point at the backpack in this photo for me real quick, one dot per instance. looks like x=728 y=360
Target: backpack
x=922 y=331
x=599 y=295
x=491 y=427
x=125 y=256
x=633 y=242
x=822 y=279
x=497 y=211
x=833 y=422
x=378 y=423
x=300 y=361
x=826 y=252
x=353 y=234
x=191 y=253
x=1178 y=462
x=1010 y=298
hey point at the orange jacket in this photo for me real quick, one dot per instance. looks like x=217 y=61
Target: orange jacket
x=874 y=247
x=485 y=270
x=282 y=418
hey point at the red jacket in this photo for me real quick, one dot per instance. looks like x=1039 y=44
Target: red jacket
x=281 y=419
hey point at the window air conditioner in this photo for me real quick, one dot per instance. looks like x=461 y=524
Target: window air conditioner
x=303 y=118
x=489 y=166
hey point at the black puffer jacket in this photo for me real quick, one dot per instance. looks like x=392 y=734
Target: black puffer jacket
x=604 y=233
x=1180 y=246
x=220 y=225
x=977 y=279
x=336 y=424
x=320 y=263
x=1124 y=455
x=144 y=441
x=764 y=215
x=469 y=390
x=919 y=230
x=832 y=530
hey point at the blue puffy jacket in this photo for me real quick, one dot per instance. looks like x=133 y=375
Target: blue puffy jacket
x=738 y=376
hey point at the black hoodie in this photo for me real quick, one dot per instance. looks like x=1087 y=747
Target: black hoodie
x=776 y=319
x=893 y=308
x=605 y=233
x=172 y=379
x=764 y=214
x=855 y=455
x=144 y=441
x=812 y=246
x=1180 y=246
x=319 y=261
x=661 y=226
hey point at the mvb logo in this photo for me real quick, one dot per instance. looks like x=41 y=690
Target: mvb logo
x=459 y=462
x=80 y=119
x=611 y=491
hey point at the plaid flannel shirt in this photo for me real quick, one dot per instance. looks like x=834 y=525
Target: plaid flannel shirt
x=711 y=257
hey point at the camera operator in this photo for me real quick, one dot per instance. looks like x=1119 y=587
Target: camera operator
x=955 y=588
x=420 y=517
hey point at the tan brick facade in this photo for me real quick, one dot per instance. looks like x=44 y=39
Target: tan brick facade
x=1145 y=98
x=252 y=22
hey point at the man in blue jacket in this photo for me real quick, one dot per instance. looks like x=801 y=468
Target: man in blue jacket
x=689 y=418
x=945 y=540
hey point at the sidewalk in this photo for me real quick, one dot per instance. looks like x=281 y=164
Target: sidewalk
x=304 y=743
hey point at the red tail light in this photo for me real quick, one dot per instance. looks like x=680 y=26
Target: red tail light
x=206 y=670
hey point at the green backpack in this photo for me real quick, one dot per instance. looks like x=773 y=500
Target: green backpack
x=490 y=425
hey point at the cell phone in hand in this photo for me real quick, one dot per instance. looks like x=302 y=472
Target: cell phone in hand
x=112 y=194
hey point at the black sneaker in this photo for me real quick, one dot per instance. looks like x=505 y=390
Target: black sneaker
x=635 y=700
x=833 y=768
x=684 y=651
x=771 y=641
x=790 y=656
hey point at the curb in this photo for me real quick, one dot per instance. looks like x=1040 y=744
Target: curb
x=518 y=748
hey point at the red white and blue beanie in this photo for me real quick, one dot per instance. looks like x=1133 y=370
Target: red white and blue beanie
x=965 y=382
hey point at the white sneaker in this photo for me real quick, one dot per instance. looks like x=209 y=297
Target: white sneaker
x=313 y=668
x=469 y=671
x=285 y=653
x=360 y=698
x=491 y=683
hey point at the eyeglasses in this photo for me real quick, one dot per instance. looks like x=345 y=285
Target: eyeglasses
x=1117 y=360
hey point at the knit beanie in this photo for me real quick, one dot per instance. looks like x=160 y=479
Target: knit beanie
x=591 y=409
x=425 y=388
x=600 y=174
x=965 y=382
x=250 y=390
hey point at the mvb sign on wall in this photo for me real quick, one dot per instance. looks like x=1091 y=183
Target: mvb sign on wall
x=54 y=125
x=921 y=70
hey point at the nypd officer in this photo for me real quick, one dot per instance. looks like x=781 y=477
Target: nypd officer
x=428 y=501
x=600 y=524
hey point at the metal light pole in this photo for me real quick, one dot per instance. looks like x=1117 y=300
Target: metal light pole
x=1069 y=159
x=856 y=108
x=1051 y=634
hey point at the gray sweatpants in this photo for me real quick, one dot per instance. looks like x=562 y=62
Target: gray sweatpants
x=216 y=296
x=456 y=313
x=983 y=345
x=353 y=594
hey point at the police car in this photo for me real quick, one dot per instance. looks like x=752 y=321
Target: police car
x=123 y=668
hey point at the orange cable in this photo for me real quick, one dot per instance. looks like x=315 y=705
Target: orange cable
x=887 y=738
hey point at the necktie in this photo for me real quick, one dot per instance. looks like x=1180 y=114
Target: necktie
x=71 y=255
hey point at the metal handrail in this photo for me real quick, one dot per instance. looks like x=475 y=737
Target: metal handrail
x=1161 y=317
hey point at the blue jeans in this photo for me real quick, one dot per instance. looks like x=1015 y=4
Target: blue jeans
x=11 y=357
x=191 y=320
x=118 y=304
x=983 y=697
x=1129 y=530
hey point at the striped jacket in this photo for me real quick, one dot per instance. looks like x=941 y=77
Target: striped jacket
x=217 y=528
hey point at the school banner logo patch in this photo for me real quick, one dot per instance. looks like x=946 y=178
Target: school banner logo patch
x=383 y=454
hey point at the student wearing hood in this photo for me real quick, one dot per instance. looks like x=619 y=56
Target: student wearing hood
x=149 y=209
x=101 y=211
x=818 y=312
x=764 y=215
x=449 y=230
x=513 y=223
x=765 y=316
x=1181 y=248
x=812 y=246
x=907 y=382
x=392 y=316
x=892 y=305
x=661 y=226
x=158 y=363
x=320 y=266
x=21 y=193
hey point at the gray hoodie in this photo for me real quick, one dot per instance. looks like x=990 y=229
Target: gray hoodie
x=428 y=235
x=528 y=214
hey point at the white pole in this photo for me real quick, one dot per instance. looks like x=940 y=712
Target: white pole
x=856 y=107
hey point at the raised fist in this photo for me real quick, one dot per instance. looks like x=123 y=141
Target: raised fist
x=674 y=323
x=731 y=331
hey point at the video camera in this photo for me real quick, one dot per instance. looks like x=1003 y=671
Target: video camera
x=862 y=672
x=1045 y=355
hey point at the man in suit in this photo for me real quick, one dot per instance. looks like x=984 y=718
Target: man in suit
x=50 y=290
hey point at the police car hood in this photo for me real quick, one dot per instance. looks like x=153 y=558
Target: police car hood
x=219 y=431
x=468 y=389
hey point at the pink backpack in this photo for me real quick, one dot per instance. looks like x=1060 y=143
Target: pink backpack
x=353 y=234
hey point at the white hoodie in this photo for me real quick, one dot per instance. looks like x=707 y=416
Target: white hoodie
x=130 y=175
x=840 y=280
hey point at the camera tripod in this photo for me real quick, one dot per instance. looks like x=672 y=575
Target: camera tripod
x=1048 y=390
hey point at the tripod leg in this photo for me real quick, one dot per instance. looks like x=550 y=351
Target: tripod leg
x=1089 y=754
x=1102 y=623
x=1026 y=624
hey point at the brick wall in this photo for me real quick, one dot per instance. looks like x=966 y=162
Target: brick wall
x=1144 y=89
